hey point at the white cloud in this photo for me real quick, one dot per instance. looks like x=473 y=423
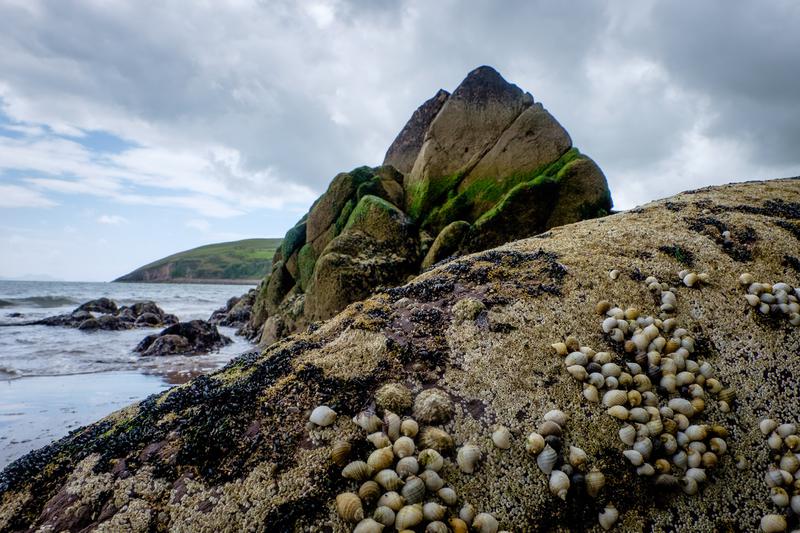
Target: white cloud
x=211 y=181
x=664 y=96
x=14 y=196
x=322 y=13
x=199 y=224
x=113 y=220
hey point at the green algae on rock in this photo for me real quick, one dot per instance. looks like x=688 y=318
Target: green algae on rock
x=469 y=171
x=233 y=450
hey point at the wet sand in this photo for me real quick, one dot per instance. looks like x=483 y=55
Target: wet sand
x=37 y=410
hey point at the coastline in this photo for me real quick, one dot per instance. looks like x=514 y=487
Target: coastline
x=37 y=410
x=195 y=281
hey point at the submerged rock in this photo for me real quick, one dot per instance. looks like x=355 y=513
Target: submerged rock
x=100 y=305
x=192 y=338
x=103 y=314
x=235 y=447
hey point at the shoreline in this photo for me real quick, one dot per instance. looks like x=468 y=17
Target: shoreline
x=193 y=281
x=38 y=410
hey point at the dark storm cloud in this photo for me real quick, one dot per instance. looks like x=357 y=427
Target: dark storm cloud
x=744 y=57
x=663 y=95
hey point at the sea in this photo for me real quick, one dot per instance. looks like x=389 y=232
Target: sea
x=54 y=379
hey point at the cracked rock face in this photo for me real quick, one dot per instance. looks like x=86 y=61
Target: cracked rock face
x=235 y=447
x=469 y=171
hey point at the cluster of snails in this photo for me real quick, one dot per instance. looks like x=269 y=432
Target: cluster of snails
x=571 y=470
x=783 y=477
x=400 y=479
x=690 y=279
x=656 y=391
x=780 y=299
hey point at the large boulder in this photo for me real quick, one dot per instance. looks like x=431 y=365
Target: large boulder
x=468 y=125
x=236 y=312
x=447 y=242
x=471 y=170
x=378 y=247
x=533 y=141
x=100 y=305
x=582 y=193
x=328 y=208
x=191 y=338
x=235 y=449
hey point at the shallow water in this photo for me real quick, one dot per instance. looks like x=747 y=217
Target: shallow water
x=35 y=411
x=55 y=379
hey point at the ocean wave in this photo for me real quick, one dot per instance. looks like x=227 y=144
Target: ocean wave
x=38 y=301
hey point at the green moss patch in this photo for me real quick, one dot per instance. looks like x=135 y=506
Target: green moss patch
x=306 y=260
x=430 y=191
x=483 y=195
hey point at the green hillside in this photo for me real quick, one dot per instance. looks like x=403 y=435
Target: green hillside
x=249 y=259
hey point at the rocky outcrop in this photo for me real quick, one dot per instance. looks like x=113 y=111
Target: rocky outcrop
x=100 y=305
x=236 y=312
x=195 y=337
x=470 y=170
x=235 y=450
x=378 y=247
x=403 y=151
x=466 y=128
x=104 y=314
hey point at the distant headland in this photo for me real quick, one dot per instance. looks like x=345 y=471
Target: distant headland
x=245 y=261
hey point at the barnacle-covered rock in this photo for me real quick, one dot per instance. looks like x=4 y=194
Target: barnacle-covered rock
x=236 y=447
x=394 y=397
x=432 y=406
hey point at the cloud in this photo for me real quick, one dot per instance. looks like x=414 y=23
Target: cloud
x=211 y=112
x=14 y=196
x=112 y=220
x=295 y=92
x=198 y=224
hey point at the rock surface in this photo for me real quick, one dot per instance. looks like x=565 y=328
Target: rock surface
x=191 y=338
x=469 y=171
x=237 y=311
x=234 y=450
x=104 y=314
x=404 y=149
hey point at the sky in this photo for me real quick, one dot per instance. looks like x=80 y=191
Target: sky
x=130 y=130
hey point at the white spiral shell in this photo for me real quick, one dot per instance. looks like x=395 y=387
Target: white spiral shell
x=380 y=459
x=430 y=459
x=368 y=525
x=348 y=505
x=595 y=481
x=432 y=480
x=323 y=416
x=559 y=484
x=608 y=517
x=534 y=444
x=485 y=523
x=468 y=457
x=501 y=437
x=546 y=460
x=408 y=517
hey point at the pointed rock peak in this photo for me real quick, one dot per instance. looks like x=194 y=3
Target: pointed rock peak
x=440 y=96
x=485 y=84
x=403 y=151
